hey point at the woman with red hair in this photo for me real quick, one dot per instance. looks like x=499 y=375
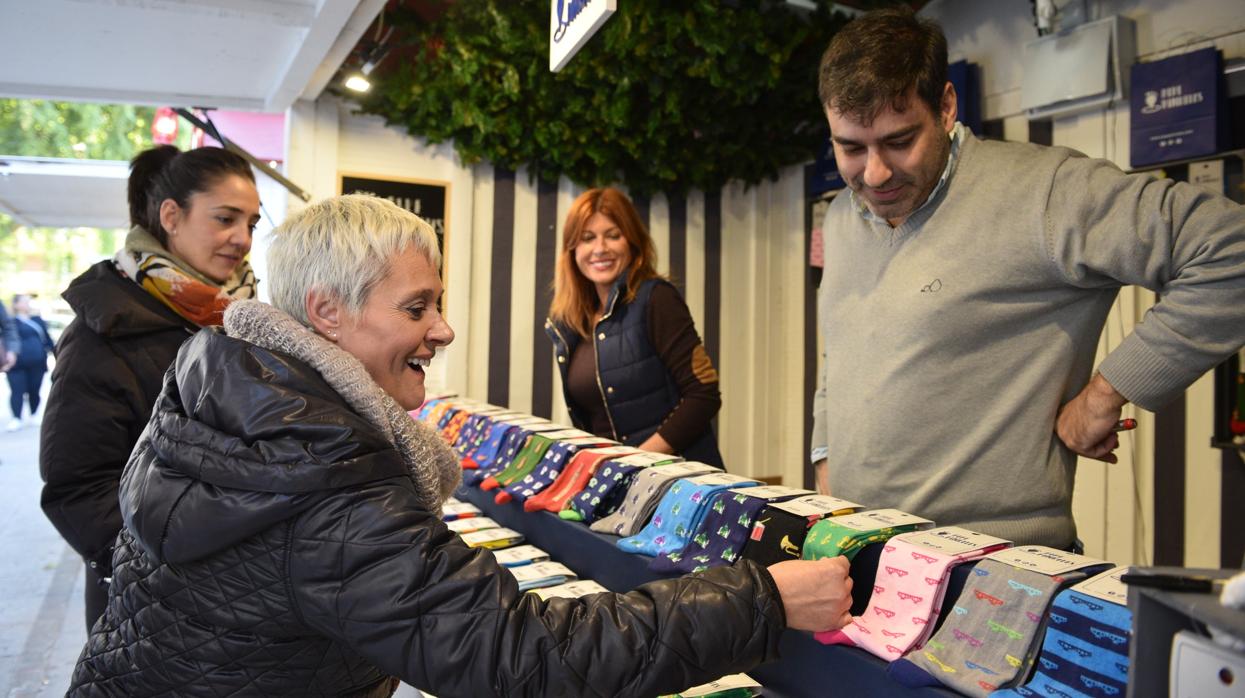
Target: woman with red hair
x=633 y=368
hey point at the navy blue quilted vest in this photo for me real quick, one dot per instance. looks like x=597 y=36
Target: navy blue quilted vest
x=637 y=387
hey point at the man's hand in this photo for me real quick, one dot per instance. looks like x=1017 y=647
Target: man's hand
x=1086 y=425
x=821 y=475
x=9 y=359
x=817 y=594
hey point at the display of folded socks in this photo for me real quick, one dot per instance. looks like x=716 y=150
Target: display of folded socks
x=514 y=441
x=520 y=555
x=573 y=478
x=908 y=591
x=484 y=455
x=556 y=457
x=727 y=520
x=781 y=527
x=1085 y=650
x=848 y=535
x=529 y=457
x=679 y=513
x=542 y=574
x=989 y=640
x=646 y=490
x=492 y=538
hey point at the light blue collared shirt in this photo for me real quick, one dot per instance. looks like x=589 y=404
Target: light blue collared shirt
x=957 y=137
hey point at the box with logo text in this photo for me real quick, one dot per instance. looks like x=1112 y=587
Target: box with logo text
x=1178 y=108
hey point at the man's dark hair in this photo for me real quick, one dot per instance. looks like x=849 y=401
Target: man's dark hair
x=873 y=61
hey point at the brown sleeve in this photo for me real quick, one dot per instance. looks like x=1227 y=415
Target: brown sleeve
x=673 y=334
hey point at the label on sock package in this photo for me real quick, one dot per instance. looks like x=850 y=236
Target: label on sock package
x=714 y=479
x=954 y=540
x=475 y=523
x=817 y=505
x=1106 y=586
x=881 y=518
x=726 y=683
x=644 y=459
x=769 y=491
x=542 y=570
x=613 y=451
x=520 y=555
x=570 y=590
x=477 y=539
x=686 y=469
x=567 y=435
x=457 y=508
x=1044 y=560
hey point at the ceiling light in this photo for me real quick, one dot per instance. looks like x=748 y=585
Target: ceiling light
x=358 y=82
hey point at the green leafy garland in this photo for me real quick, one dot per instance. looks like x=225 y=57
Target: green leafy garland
x=670 y=95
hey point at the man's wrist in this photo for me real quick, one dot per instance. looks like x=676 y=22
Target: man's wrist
x=1103 y=395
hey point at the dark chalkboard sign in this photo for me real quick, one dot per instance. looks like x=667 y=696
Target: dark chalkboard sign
x=426 y=199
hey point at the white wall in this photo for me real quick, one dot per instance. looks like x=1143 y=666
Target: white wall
x=1113 y=504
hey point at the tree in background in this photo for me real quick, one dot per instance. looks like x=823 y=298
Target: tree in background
x=42 y=261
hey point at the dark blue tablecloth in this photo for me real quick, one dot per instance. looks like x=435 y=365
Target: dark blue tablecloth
x=807 y=667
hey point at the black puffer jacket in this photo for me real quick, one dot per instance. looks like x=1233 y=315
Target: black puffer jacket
x=273 y=546
x=110 y=364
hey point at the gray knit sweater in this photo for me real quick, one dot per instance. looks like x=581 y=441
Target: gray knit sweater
x=952 y=340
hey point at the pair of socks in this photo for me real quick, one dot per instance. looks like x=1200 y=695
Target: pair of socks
x=909 y=588
x=679 y=513
x=1085 y=651
x=848 y=535
x=603 y=494
x=720 y=535
x=781 y=528
x=646 y=490
x=989 y=641
x=573 y=479
x=547 y=469
x=522 y=464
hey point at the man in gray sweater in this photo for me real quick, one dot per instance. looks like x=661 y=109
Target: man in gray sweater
x=966 y=286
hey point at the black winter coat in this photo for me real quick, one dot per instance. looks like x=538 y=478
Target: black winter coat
x=110 y=364
x=273 y=546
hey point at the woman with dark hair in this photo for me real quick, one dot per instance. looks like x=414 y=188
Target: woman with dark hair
x=633 y=368
x=184 y=261
x=26 y=375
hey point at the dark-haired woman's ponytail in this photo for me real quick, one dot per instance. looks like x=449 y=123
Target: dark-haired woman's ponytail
x=144 y=169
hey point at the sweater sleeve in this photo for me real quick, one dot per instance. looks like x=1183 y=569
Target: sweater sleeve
x=673 y=334
x=388 y=580
x=1104 y=228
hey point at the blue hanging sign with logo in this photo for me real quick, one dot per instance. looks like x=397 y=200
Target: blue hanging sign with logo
x=1178 y=108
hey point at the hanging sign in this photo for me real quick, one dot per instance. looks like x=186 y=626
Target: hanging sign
x=1178 y=108
x=571 y=24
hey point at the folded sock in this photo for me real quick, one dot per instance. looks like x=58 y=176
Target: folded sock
x=646 y=490
x=911 y=582
x=603 y=494
x=721 y=533
x=989 y=641
x=679 y=513
x=781 y=527
x=848 y=535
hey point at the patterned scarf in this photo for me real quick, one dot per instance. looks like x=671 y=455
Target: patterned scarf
x=174 y=283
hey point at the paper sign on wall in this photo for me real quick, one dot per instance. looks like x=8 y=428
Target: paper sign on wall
x=571 y=24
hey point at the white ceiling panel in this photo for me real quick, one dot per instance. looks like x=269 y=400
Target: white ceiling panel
x=59 y=193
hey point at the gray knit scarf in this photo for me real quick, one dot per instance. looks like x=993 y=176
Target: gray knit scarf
x=434 y=468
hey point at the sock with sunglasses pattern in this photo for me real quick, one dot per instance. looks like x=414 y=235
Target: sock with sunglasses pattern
x=603 y=494
x=848 y=535
x=646 y=490
x=1085 y=651
x=908 y=591
x=990 y=639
